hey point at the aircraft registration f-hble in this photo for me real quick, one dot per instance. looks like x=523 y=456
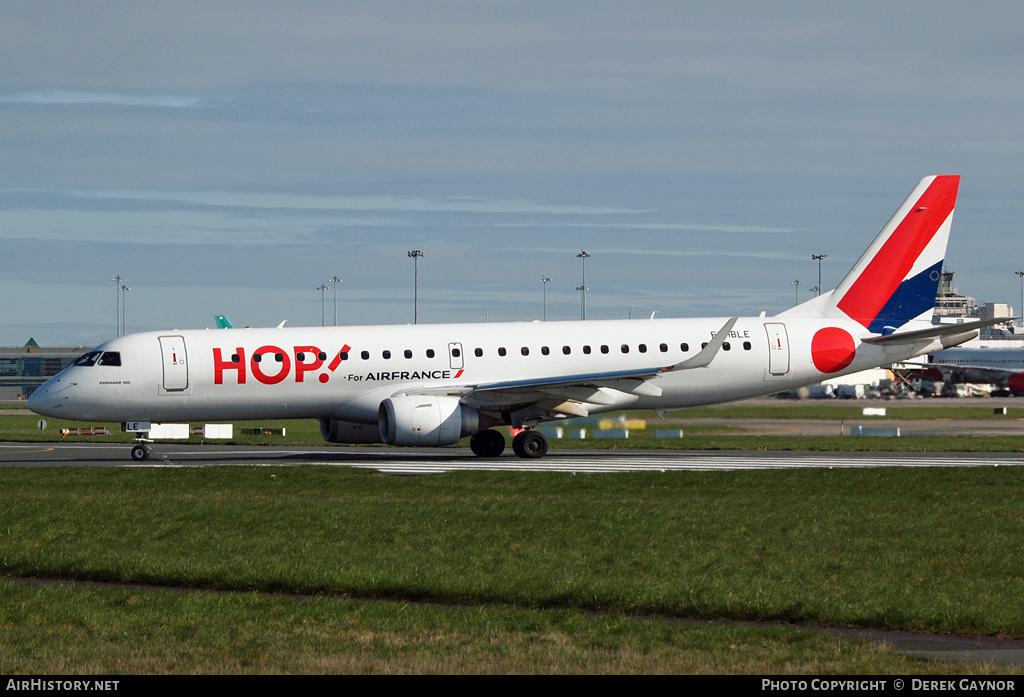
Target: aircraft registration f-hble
x=431 y=385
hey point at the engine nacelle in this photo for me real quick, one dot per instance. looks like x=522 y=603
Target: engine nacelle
x=425 y=420
x=335 y=431
x=1016 y=382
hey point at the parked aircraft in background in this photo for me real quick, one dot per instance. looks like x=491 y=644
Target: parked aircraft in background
x=430 y=385
x=1003 y=367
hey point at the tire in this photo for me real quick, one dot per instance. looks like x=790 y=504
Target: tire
x=487 y=443
x=140 y=453
x=530 y=445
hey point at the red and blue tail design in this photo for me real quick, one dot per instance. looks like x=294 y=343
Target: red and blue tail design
x=896 y=279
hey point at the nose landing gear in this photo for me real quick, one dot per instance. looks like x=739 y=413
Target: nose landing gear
x=140 y=451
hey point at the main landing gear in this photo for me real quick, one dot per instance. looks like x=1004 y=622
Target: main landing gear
x=530 y=444
x=487 y=443
x=490 y=443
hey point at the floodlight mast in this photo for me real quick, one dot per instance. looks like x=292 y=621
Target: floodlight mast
x=818 y=257
x=415 y=255
x=584 y=256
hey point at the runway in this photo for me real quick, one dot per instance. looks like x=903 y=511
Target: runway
x=422 y=461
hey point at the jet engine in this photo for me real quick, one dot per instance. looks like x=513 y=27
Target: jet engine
x=335 y=431
x=425 y=420
x=1016 y=382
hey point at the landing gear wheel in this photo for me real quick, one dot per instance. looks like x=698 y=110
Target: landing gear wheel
x=487 y=443
x=140 y=452
x=530 y=444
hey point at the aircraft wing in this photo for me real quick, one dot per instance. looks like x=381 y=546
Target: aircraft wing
x=539 y=399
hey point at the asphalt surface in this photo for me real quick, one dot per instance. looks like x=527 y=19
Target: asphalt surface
x=422 y=461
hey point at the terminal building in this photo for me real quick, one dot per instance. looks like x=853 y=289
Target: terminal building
x=24 y=368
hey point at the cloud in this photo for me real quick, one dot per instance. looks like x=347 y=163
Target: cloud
x=71 y=98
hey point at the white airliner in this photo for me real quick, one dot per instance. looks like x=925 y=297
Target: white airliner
x=1003 y=367
x=430 y=385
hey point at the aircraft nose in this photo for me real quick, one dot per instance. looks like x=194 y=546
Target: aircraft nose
x=37 y=401
x=42 y=401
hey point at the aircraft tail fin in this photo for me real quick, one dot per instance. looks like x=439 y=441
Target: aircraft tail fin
x=896 y=279
x=223 y=322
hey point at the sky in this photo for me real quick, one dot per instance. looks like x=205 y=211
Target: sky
x=231 y=157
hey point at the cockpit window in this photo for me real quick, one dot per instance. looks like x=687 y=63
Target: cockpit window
x=88 y=359
x=111 y=358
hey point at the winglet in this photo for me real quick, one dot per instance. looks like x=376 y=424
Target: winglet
x=710 y=350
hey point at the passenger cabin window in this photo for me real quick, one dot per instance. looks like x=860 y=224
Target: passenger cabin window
x=566 y=350
x=88 y=359
x=525 y=351
x=604 y=348
x=386 y=355
x=365 y=355
x=343 y=355
x=408 y=353
x=111 y=358
x=478 y=352
x=684 y=347
x=430 y=353
x=545 y=350
x=586 y=350
x=664 y=348
x=726 y=346
x=625 y=348
x=642 y=348
x=322 y=356
x=502 y=351
x=746 y=345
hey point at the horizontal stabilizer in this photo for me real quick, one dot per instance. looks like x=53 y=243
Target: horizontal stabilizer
x=933 y=332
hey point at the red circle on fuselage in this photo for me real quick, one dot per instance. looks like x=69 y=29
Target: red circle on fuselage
x=832 y=349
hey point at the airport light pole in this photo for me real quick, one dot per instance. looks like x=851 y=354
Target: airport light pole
x=117 y=312
x=544 y=280
x=796 y=290
x=415 y=255
x=584 y=256
x=323 y=316
x=124 y=325
x=818 y=257
x=334 y=281
x=1021 y=274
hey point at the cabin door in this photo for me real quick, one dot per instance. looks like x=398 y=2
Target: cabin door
x=172 y=349
x=778 y=348
x=455 y=355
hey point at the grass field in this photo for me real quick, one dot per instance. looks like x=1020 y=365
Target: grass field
x=534 y=572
